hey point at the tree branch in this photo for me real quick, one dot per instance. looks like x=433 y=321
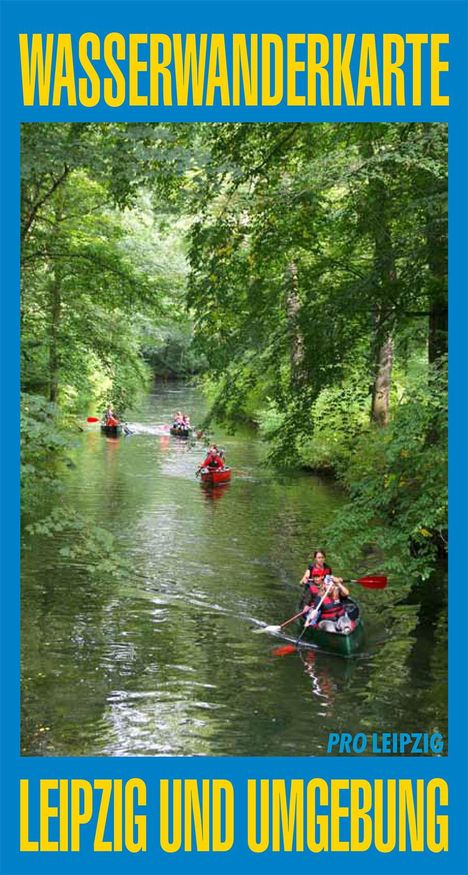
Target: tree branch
x=36 y=207
x=255 y=170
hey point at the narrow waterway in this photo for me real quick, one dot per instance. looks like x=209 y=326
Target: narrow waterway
x=167 y=662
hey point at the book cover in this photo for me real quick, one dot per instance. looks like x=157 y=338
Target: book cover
x=233 y=336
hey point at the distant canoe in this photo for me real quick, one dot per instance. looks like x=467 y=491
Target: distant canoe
x=112 y=430
x=215 y=476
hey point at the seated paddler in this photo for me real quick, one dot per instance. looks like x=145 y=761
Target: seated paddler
x=326 y=609
x=213 y=459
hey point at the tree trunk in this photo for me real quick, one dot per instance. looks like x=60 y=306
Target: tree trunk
x=55 y=313
x=382 y=383
x=385 y=268
x=55 y=306
x=386 y=287
x=383 y=333
x=293 y=309
x=437 y=259
x=438 y=332
x=438 y=314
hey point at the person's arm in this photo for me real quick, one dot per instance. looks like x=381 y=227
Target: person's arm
x=306 y=576
x=311 y=601
x=343 y=591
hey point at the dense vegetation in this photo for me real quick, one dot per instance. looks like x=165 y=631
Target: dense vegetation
x=302 y=268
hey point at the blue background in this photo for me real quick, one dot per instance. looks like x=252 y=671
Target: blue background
x=272 y=17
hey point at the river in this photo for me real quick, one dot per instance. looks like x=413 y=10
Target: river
x=167 y=662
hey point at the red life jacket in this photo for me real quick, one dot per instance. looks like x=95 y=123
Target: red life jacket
x=331 y=609
x=213 y=462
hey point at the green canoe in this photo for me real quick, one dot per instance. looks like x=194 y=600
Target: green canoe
x=111 y=430
x=338 y=642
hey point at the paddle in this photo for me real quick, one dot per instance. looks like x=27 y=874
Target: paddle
x=284 y=650
x=371 y=581
x=92 y=419
x=314 y=613
x=278 y=628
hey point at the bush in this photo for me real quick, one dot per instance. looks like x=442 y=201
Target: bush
x=397 y=481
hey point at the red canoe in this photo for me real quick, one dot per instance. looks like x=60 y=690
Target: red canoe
x=215 y=475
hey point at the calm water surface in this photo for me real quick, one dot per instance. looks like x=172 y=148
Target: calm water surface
x=167 y=663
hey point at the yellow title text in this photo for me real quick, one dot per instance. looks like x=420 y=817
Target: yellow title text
x=300 y=70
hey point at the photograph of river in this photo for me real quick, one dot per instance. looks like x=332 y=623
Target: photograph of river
x=285 y=286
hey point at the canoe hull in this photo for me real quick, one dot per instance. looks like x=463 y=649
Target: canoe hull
x=216 y=477
x=338 y=642
x=111 y=430
x=180 y=432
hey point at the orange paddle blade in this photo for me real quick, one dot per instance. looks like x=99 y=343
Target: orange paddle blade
x=284 y=650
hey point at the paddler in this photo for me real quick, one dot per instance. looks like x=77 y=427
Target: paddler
x=213 y=459
x=109 y=417
x=317 y=570
x=314 y=574
x=332 y=616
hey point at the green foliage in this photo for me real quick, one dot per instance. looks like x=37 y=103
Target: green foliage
x=43 y=443
x=80 y=287
x=102 y=275
x=46 y=443
x=309 y=262
x=168 y=349
x=338 y=418
x=313 y=197
x=397 y=481
x=94 y=549
x=318 y=282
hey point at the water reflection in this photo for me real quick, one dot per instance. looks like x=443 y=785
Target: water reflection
x=214 y=493
x=323 y=683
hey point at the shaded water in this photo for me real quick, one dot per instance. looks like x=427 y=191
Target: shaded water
x=166 y=662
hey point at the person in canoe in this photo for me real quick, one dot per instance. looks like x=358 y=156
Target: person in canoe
x=109 y=418
x=213 y=459
x=328 y=600
x=316 y=571
x=181 y=423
